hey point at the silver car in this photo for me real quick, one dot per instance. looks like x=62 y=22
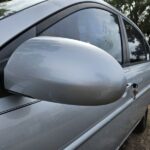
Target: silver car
x=74 y=74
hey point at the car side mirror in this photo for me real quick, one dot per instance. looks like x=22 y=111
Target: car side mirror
x=64 y=71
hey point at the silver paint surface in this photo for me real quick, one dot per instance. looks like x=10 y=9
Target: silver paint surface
x=14 y=6
x=104 y=122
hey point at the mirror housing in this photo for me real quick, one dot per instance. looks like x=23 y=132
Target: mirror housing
x=64 y=71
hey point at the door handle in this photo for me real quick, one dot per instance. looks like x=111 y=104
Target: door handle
x=134 y=87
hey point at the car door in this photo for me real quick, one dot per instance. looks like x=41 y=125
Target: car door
x=92 y=25
x=138 y=70
x=45 y=125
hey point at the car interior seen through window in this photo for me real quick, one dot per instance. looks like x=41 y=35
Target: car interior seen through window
x=94 y=26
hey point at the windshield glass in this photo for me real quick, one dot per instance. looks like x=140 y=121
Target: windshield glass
x=8 y=7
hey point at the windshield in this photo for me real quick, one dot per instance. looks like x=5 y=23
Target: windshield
x=8 y=7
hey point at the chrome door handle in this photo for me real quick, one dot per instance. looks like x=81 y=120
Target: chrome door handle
x=129 y=85
x=134 y=87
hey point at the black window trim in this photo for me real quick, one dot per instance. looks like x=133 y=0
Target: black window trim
x=124 y=44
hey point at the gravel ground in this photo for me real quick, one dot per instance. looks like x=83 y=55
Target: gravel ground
x=139 y=141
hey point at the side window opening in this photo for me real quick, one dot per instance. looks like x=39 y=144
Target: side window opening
x=136 y=44
x=93 y=25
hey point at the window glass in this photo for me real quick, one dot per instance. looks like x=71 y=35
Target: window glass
x=136 y=44
x=94 y=26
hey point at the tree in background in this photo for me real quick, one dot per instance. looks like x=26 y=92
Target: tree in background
x=2 y=11
x=1 y=1
x=137 y=10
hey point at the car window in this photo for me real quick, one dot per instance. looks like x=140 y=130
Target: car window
x=95 y=26
x=136 y=44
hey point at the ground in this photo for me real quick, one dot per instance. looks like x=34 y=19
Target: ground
x=139 y=141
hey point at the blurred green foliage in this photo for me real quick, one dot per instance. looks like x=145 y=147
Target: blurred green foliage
x=137 y=10
x=2 y=11
x=1 y=1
